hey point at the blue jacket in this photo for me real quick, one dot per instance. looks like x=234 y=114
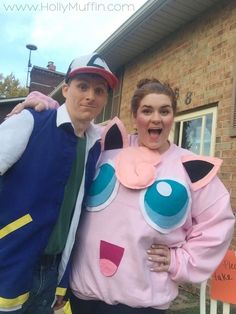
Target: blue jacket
x=30 y=199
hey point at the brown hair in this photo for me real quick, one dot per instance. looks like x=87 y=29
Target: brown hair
x=151 y=86
x=79 y=75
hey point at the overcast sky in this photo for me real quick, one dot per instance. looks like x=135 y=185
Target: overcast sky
x=61 y=30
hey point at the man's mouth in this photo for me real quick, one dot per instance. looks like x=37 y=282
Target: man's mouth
x=88 y=106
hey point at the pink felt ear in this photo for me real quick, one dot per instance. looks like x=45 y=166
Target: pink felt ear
x=201 y=169
x=114 y=135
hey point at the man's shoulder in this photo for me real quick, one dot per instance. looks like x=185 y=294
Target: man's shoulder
x=43 y=118
x=42 y=115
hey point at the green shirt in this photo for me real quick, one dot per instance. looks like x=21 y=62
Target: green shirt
x=60 y=232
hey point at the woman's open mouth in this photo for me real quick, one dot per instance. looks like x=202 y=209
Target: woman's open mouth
x=155 y=133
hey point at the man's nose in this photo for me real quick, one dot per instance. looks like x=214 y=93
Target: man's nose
x=90 y=94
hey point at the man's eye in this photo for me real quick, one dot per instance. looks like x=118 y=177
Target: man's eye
x=99 y=91
x=83 y=87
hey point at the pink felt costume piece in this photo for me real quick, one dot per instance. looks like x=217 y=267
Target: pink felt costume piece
x=135 y=167
x=212 y=162
x=110 y=257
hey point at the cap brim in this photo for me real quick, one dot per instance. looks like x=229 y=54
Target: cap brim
x=108 y=76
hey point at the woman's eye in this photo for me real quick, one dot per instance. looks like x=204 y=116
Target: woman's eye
x=146 y=111
x=165 y=112
x=165 y=204
x=103 y=188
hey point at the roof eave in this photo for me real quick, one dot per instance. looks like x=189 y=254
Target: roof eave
x=130 y=24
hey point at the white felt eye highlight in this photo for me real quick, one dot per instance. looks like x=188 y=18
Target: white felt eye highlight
x=164 y=188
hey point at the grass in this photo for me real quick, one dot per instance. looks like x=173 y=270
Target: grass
x=188 y=303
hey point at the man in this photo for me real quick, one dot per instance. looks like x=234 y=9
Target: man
x=47 y=162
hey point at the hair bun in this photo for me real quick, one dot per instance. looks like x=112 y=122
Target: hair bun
x=146 y=81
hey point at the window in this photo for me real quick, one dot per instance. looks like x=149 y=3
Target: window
x=112 y=108
x=106 y=112
x=196 y=131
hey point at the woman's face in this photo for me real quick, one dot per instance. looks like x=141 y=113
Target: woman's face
x=154 y=119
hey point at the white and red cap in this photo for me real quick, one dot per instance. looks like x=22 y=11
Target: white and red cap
x=93 y=64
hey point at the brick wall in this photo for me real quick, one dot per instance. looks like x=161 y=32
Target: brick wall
x=199 y=58
x=43 y=80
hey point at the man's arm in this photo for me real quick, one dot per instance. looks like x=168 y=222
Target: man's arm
x=14 y=136
x=37 y=101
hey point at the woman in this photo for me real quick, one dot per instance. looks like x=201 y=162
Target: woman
x=147 y=191
x=157 y=215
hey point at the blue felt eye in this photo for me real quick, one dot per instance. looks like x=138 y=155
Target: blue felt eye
x=103 y=189
x=165 y=204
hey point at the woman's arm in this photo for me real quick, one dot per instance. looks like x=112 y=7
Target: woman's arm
x=208 y=239
x=14 y=136
x=206 y=242
x=37 y=101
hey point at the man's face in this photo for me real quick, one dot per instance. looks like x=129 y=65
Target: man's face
x=86 y=96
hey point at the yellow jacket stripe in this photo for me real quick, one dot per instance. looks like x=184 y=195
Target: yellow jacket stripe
x=61 y=291
x=7 y=303
x=13 y=226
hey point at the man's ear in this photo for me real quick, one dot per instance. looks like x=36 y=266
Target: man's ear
x=64 y=89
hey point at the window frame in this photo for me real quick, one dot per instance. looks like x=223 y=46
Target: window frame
x=233 y=111
x=195 y=115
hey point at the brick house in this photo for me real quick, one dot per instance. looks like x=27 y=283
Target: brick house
x=192 y=45
x=44 y=80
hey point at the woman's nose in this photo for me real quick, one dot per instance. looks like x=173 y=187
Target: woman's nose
x=156 y=117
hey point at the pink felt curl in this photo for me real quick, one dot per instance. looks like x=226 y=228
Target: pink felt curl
x=135 y=167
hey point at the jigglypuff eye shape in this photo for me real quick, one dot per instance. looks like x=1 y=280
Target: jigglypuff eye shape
x=103 y=189
x=165 y=204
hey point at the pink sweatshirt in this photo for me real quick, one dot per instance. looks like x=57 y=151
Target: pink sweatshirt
x=139 y=198
x=191 y=213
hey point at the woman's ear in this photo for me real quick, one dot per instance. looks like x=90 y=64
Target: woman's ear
x=133 y=120
x=134 y=125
